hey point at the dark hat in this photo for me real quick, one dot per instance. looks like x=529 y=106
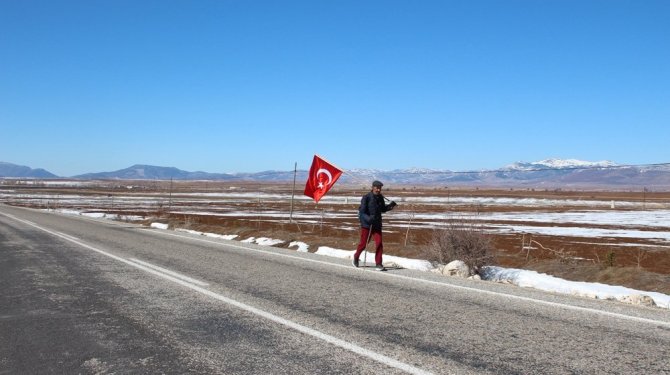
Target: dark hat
x=377 y=183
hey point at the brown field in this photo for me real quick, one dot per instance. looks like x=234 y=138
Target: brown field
x=263 y=210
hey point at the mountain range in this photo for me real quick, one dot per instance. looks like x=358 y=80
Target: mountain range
x=549 y=173
x=13 y=170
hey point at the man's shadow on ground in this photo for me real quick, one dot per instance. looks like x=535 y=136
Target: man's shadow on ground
x=372 y=267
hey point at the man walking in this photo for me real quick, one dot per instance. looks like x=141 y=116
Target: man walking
x=370 y=215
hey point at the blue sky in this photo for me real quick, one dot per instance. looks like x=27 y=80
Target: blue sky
x=246 y=86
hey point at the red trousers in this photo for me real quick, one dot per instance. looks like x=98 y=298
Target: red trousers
x=365 y=237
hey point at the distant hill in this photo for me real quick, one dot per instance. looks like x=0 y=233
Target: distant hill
x=549 y=173
x=13 y=170
x=150 y=172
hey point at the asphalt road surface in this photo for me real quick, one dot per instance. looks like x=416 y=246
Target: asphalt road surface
x=86 y=296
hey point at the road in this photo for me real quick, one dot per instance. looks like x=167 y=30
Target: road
x=80 y=295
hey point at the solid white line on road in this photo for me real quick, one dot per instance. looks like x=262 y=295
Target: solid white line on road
x=443 y=284
x=264 y=314
x=67 y=235
x=171 y=273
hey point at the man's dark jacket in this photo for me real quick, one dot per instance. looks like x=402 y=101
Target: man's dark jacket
x=370 y=211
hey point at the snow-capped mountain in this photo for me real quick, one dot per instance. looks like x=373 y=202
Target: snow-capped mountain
x=548 y=173
x=560 y=164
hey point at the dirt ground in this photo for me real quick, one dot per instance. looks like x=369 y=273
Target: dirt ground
x=262 y=210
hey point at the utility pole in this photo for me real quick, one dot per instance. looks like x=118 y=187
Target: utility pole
x=170 y=199
x=295 y=172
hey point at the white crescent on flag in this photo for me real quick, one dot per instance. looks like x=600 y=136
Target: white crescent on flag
x=327 y=173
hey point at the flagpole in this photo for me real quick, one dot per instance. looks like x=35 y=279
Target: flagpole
x=365 y=257
x=344 y=171
x=295 y=172
x=327 y=161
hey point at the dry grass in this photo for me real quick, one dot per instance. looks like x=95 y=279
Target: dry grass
x=462 y=241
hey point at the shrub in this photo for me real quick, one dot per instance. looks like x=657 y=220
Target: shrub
x=460 y=241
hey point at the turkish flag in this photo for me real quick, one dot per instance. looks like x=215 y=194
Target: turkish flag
x=322 y=176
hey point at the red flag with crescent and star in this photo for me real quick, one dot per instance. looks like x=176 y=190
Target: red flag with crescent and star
x=322 y=176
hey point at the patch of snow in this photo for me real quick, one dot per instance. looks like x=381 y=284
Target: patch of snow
x=211 y=235
x=533 y=279
x=221 y=236
x=130 y=217
x=189 y=231
x=414 y=264
x=68 y=212
x=97 y=215
x=580 y=232
x=159 y=225
x=302 y=247
x=263 y=241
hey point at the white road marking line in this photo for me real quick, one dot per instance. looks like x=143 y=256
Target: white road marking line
x=264 y=314
x=169 y=272
x=68 y=236
x=470 y=289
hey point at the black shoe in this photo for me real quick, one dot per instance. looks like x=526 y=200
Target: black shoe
x=355 y=262
x=380 y=267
